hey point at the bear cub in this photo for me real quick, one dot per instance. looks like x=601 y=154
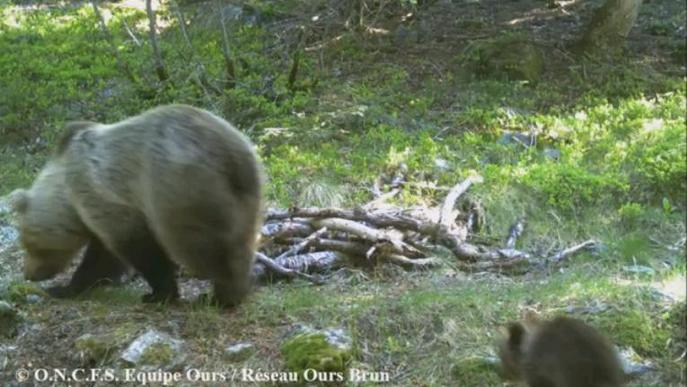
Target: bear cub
x=175 y=185
x=562 y=352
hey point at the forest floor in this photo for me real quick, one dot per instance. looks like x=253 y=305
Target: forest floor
x=406 y=88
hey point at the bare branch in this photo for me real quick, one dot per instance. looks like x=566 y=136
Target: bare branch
x=302 y=244
x=131 y=33
x=157 y=56
x=313 y=262
x=445 y=215
x=226 y=52
x=570 y=251
x=286 y=229
x=422 y=263
x=515 y=233
x=123 y=65
x=280 y=270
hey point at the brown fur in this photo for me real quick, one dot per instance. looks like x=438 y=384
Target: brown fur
x=175 y=185
x=562 y=352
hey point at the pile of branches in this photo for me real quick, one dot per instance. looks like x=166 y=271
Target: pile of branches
x=302 y=242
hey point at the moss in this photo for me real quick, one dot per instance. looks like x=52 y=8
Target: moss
x=312 y=351
x=18 y=291
x=509 y=57
x=158 y=353
x=475 y=370
x=93 y=348
x=9 y=320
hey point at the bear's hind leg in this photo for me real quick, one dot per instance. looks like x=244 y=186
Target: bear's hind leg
x=97 y=267
x=145 y=254
x=207 y=254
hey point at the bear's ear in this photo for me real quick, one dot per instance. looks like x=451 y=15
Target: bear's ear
x=70 y=130
x=19 y=200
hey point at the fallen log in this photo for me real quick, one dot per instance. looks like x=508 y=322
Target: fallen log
x=570 y=251
x=278 y=269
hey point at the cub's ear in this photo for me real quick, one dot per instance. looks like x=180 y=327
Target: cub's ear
x=70 y=130
x=516 y=335
x=19 y=200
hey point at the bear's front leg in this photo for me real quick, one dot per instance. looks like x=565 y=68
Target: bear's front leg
x=98 y=267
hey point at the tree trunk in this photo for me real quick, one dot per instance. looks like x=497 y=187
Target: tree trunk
x=609 y=27
x=121 y=63
x=226 y=52
x=157 y=57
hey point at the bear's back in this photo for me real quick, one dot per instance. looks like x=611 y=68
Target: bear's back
x=569 y=353
x=168 y=145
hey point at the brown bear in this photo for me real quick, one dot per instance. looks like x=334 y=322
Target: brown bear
x=173 y=185
x=562 y=352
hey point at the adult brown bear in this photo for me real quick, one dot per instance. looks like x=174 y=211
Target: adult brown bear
x=174 y=185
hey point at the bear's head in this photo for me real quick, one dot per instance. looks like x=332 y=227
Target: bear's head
x=513 y=348
x=50 y=231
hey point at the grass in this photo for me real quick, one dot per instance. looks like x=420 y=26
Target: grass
x=619 y=177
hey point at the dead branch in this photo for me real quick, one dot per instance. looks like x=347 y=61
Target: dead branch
x=346 y=247
x=475 y=219
x=421 y=263
x=293 y=73
x=445 y=215
x=381 y=198
x=229 y=67
x=504 y=265
x=283 y=271
x=386 y=219
x=515 y=233
x=202 y=79
x=570 y=251
x=302 y=244
x=121 y=63
x=393 y=237
x=131 y=32
x=285 y=230
x=157 y=56
x=316 y=262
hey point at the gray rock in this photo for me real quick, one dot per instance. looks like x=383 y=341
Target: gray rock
x=9 y=320
x=5 y=351
x=338 y=338
x=8 y=237
x=334 y=336
x=525 y=139
x=441 y=164
x=551 y=153
x=232 y=12
x=639 y=269
x=239 y=351
x=633 y=365
x=241 y=14
x=5 y=205
x=153 y=350
x=33 y=299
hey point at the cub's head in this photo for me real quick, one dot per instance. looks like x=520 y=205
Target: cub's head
x=512 y=348
x=511 y=351
x=49 y=231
